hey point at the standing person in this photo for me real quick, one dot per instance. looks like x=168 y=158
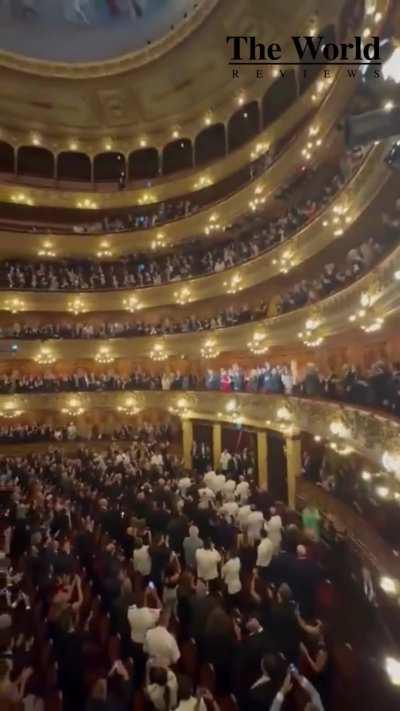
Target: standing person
x=160 y=644
x=265 y=552
x=208 y=560
x=190 y=545
x=311 y=518
x=230 y=574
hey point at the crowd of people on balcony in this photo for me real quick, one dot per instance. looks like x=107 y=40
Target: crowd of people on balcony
x=127 y=580
x=307 y=291
x=376 y=387
x=14 y=433
x=249 y=238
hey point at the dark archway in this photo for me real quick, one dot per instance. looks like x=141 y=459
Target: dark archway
x=73 y=166
x=279 y=96
x=144 y=164
x=109 y=166
x=210 y=144
x=38 y=162
x=243 y=125
x=177 y=155
x=6 y=158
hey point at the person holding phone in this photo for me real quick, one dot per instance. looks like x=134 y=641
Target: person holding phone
x=314 y=702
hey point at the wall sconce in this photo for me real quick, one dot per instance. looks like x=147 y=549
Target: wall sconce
x=286 y=262
x=310 y=336
x=104 y=356
x=234 y=284
x=203 y=182
x=132 y=304
x=104 y=250
x=158 y=353
x=87 y=204
x=76 y=307
x=259 y=150
x=46 y=250
x=130 y=408
x=73 y=409
x=45 y=356
x=214 y=225
x=22 y=199
x=321 y=87
x=183 y=297
x=339 y=429
x=340 y=220
x=9 y=411
x=210 y=349
x=159 y=242
x=14 y=305
x=257 y=344
x=284 y=414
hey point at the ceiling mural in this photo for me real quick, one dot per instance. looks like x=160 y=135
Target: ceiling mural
x=87 y=30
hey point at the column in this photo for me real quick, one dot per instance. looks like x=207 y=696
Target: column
x=187 y=443
x=216 y=444
x=293 y=464
x=262 y=462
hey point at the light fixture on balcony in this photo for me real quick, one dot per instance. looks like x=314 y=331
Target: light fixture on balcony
x=36 y=139
x=374 y=325
x=45 y=356
x=257 y=345
x=132 y=304
x=86 y=204
x=214 y=225
x=234 y=284
x=286 y=262
x=130 y=407
x=343 y=449
x=232 y=408
x=183 y=296
x=210 y=349
x=73 y=145
x=10 y=411
x=159 y=242
x=283 y=413
x=77 y=306
x=104 y=356
x=73 y=408
x=146 y=199
x=47 y=250
x=14 y=305
x=181 y=408
x=105 y=250
x=203 y=182
x=339 y=429
x=311 y=337
x=259 y=150
x=158 y=353
x=22 y=199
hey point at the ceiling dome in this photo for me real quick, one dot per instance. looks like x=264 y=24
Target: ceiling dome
x=89 y=30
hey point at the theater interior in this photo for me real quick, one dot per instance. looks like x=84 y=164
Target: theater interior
x=199 y=359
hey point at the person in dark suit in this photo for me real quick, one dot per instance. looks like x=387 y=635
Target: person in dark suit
x=262 y=693
x=304 y=579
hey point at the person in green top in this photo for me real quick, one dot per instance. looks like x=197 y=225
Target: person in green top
x=311 y=518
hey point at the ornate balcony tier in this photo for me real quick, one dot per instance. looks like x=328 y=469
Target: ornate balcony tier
x=331 y=108
x=338 y=313
x=309 y=241
x=367 y=432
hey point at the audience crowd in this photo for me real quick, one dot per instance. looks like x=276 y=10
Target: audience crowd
x=128 y=580
x=332 y=278
x=248 y=238
x=377 y=386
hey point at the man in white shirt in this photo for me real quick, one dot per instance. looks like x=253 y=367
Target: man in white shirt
x=161 y=645
x=255 y=522
x=206 y=495
x=274 y=528
x=265 y=552
x=141 y=558
x=207 y=560
x=230 y=573
x=243 y=514
x=142 y=619
x=184 y=484
x=230 y=508
x=229 y=489
x=224 y=460
x=243 y=490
